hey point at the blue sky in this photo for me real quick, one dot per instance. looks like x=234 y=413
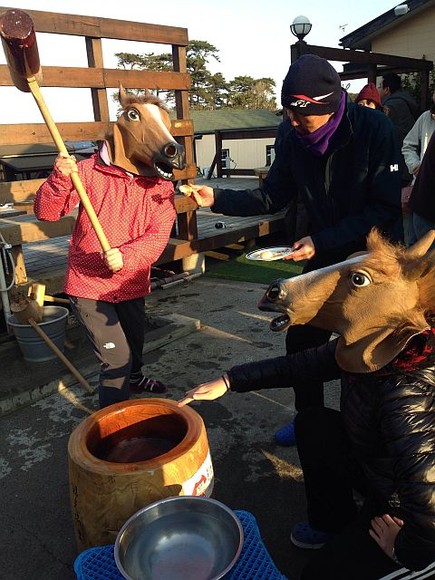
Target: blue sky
x=253 y=38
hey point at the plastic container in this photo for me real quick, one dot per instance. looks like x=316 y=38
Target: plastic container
x=33 y=347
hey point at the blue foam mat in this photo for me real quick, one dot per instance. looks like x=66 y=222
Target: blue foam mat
x=254 y=562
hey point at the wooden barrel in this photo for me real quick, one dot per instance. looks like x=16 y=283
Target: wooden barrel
x=129 y=455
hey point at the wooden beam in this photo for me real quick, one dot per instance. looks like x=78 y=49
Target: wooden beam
x=266 y=133
x=363 y=57
x=21 y=134
x=100 y=78
x=96 y=27
x=32 y=230
x=100 y=104
x=19 y=191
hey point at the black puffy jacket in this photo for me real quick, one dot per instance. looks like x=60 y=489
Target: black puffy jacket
x=347 y=191
x=390 y=419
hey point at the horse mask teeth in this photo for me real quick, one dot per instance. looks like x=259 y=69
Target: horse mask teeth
x=280 y=323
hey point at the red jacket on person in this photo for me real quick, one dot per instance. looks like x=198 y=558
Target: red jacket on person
x=136 y=213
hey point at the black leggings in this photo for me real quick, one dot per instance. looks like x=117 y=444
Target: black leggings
x=116 y=332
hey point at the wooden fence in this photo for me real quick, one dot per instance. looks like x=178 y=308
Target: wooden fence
x=97 y=79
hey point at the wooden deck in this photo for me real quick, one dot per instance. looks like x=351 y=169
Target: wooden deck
x=46 y=259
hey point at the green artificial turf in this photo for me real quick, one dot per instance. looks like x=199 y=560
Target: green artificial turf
x=243 y=270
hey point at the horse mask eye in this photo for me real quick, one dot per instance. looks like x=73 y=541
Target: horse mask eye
x=359 y=279
x=133 y=115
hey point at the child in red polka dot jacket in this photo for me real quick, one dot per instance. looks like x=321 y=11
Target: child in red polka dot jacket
x=135 y=208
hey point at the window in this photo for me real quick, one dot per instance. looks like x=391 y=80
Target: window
x=225 y=158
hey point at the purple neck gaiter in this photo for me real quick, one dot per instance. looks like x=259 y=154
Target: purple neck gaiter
x=317 y=142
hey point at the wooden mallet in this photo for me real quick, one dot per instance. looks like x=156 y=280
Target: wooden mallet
x=21 y=50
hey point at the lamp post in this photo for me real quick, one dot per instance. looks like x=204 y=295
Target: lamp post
x=300 y=27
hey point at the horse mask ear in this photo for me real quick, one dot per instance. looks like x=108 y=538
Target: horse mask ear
x=376 y=350
x=122 y=96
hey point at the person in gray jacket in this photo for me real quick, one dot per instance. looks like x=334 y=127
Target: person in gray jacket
x=413 y=150
x=417 y=140
x=422 y=199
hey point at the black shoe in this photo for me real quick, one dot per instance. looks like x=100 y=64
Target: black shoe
x=143 y=384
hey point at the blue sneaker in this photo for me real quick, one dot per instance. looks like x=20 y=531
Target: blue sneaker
x=286 y=436
x=304 y=536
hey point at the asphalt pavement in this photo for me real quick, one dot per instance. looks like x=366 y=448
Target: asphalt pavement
x=203 y=328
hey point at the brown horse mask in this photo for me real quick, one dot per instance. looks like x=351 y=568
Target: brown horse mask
x=141 y=142
x=376 y=301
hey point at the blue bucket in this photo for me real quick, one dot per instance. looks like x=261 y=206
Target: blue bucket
x=33 y=347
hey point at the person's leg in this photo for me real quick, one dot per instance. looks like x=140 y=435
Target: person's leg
x=330 y=470
x=307 y=394
x=133 y=320
x=103 y=329
x=301 y=337
x=352 y=554
x=410 y=235
x=131 y=315
x=421 y=226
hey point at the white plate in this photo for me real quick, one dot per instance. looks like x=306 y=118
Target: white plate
x=270 y=254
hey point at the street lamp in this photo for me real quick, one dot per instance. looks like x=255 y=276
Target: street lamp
x=300 y=27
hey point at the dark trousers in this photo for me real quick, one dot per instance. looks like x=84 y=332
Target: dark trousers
x=331 y=473
x=116 y=332
x=302 y=336
x=299 y=337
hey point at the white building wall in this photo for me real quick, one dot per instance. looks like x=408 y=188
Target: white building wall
x=413 y=38
x=245 y=153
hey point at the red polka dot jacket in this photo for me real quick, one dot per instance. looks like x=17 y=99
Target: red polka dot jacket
x=136 y=213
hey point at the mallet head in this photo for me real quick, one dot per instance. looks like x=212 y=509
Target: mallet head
x=21 y=50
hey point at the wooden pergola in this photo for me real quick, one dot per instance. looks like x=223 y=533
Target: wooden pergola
x=370 y=65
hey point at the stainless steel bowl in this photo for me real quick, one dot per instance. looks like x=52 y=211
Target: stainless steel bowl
x=179 y=538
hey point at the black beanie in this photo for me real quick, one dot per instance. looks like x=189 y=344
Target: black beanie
x=312 y=86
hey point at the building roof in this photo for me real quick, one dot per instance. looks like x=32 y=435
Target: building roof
x=362 y=37
x=207 y=122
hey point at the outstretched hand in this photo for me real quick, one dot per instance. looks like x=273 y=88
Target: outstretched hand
x=384 y=532
x=205 y=392
x=203 y=196
x=303 y=249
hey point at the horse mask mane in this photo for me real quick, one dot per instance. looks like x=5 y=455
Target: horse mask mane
x=376 y=301
x=141 y=142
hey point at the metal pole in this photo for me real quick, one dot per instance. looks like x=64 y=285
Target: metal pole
x=4 y=292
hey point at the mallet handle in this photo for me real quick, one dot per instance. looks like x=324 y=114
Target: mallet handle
x=18 y=37
x=36 y=92
x=60 y=354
